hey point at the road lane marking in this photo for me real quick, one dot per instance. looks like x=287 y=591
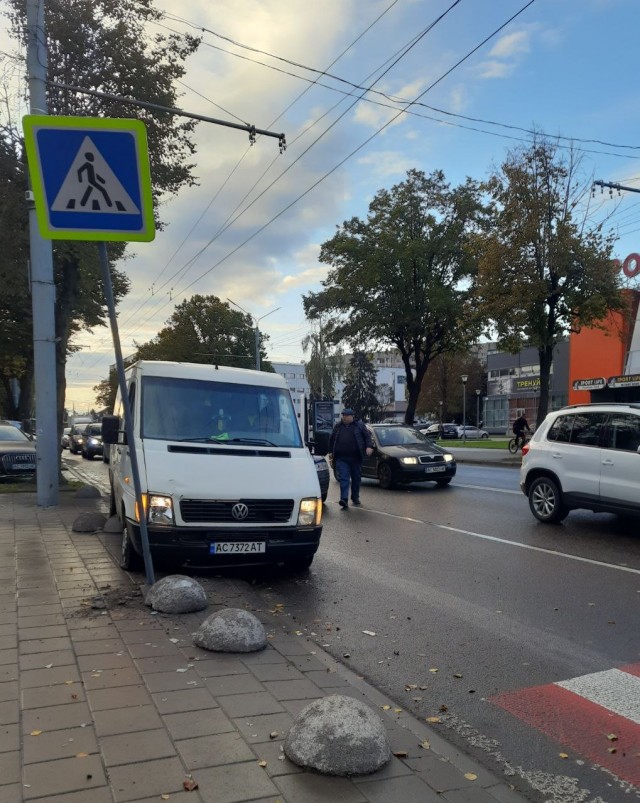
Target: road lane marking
x=483 y=536
x=583 y=712
x=487 y=488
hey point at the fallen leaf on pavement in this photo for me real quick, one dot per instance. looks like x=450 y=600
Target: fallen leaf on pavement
x=612 y=737
x=369 y=633
x=385 y=707
x=35 y=733
x=563 y=755
x=189 y=784
x=273 y=735
x=433 y=669
x=81 y=755
x=425 y=745
x=443 y=707
x=262 y=763
x=612 y=750
x=398 y=710
x=471 y=776
x=400 y=753
x=457 y=675
x=164 y=797
x=434 y=720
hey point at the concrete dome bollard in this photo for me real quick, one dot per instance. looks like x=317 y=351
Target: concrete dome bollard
x=231 y=630
x=176 y=593
x=88 y=522
x=338 y=736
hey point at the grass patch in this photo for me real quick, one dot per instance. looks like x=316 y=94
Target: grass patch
x=487 y=443
x=30 y=486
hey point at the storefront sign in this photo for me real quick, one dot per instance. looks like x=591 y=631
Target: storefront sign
x=526 y=383
x=597 y=383
x=626 y=381
x=630 y=266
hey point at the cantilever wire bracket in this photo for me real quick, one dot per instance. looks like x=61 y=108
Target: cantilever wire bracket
x=251 y=129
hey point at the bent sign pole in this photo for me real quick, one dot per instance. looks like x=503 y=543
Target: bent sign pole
x=91 y=181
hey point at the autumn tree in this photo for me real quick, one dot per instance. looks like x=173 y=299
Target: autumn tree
x=204 y=329
x=104 y=46
x=360 y=387
x=324 y=366
x=441 y=393
x=398 y=278
x=545 y=270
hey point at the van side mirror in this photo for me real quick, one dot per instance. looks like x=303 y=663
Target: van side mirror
x=111 y=430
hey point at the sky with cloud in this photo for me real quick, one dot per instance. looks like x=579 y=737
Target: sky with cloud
x=338 y=78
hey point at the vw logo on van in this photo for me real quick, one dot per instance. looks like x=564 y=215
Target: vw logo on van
x=239 y=511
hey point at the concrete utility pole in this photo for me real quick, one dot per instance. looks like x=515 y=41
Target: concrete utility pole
x=256 y=330
x=43 y=293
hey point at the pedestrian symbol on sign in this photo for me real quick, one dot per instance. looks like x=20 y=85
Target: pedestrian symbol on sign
x=91 y=186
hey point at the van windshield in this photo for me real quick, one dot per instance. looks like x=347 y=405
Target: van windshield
x=217 y=412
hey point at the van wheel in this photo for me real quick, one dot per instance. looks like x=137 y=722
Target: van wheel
x=112 y=503
x=545 y=501
x=385 y=476
x=129 y=558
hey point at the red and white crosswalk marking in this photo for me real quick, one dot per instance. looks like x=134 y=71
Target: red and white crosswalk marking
x=584 y=712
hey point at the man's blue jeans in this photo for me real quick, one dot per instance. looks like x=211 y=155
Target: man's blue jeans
x=349 y=470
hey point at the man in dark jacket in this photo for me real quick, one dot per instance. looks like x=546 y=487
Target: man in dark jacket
x=350 y=441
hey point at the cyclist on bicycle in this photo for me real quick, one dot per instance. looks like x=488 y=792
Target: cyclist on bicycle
x=519 y=426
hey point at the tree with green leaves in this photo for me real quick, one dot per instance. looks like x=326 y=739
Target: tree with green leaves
x=398 y=277
x=103 y=45
x=360 y=387
x=545 y=269
x=204 y=329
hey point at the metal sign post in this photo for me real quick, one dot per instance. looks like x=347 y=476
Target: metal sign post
x=91 y=181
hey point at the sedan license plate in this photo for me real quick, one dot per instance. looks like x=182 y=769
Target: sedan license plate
x=237 y=547
x=433 y=469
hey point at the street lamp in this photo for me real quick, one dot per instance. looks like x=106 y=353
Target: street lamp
x=464 y=378
x=256 y=330
x=477 y=408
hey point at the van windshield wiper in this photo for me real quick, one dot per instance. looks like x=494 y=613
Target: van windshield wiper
x=222 y=440
x=254 y=441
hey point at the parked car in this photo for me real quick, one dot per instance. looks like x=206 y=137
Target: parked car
x=322 y=467
x=92 y=441
x=64 y=440
x=473 y=433
x=584 y=456
x=403 y=455
x=17 y=454
x=450 y=431
x=76 y=438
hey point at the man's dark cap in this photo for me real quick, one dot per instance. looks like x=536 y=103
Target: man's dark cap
x=348 y=411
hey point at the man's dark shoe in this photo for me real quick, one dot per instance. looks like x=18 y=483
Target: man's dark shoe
x=356 y=502
x=344 y=504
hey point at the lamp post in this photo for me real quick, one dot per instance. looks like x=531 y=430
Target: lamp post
x=256 y=330
x=477 y=408
x=464 y=378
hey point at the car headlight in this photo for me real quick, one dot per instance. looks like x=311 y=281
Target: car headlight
x=409 y=461
x=93 y=441
x=159 y=509
x=448 y=458
x=310 y=512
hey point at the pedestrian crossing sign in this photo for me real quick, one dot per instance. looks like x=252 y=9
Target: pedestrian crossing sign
x=90 y=178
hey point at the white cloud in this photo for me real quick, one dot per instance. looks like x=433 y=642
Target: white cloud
x=382 y=164
x=511 y=44
x=495 y=69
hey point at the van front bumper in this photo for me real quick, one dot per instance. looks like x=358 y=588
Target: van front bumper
x=191 y=546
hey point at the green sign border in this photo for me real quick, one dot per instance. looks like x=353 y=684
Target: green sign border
x=32 y=121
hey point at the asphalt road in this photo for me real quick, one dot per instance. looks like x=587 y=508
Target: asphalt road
x=466 y=598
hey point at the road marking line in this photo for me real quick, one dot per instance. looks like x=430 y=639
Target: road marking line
x=612 y=689
x=582 y=724
x=552 y=552
x=487 y=488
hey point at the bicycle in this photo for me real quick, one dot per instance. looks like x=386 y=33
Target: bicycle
x=518 y=442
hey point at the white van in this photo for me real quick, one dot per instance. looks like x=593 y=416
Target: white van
x=225 y=476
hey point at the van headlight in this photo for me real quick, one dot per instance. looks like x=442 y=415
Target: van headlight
x=310 y=512
x=159 y=509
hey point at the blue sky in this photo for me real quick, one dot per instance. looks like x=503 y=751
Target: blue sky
x=563 y=67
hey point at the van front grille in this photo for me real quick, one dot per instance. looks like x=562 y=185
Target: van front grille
x=258 y=511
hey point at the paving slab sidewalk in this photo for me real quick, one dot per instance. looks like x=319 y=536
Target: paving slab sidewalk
x=102 y=700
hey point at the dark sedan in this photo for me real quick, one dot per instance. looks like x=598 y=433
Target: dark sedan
x=17 y=454
x=449 y=431
x=91 y=441
x=403 y=455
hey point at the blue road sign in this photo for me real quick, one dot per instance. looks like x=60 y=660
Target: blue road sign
x=90 y=178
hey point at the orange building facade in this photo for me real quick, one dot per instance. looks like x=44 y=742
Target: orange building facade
x=598 y=358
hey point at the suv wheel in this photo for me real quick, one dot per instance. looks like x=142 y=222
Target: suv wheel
x=545 y=500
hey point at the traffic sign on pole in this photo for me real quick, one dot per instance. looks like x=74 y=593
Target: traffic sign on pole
x=90 y=178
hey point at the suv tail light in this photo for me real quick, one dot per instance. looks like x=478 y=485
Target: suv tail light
x=525 y=449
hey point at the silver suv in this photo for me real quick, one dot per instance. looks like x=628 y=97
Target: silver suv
x=584 y=456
